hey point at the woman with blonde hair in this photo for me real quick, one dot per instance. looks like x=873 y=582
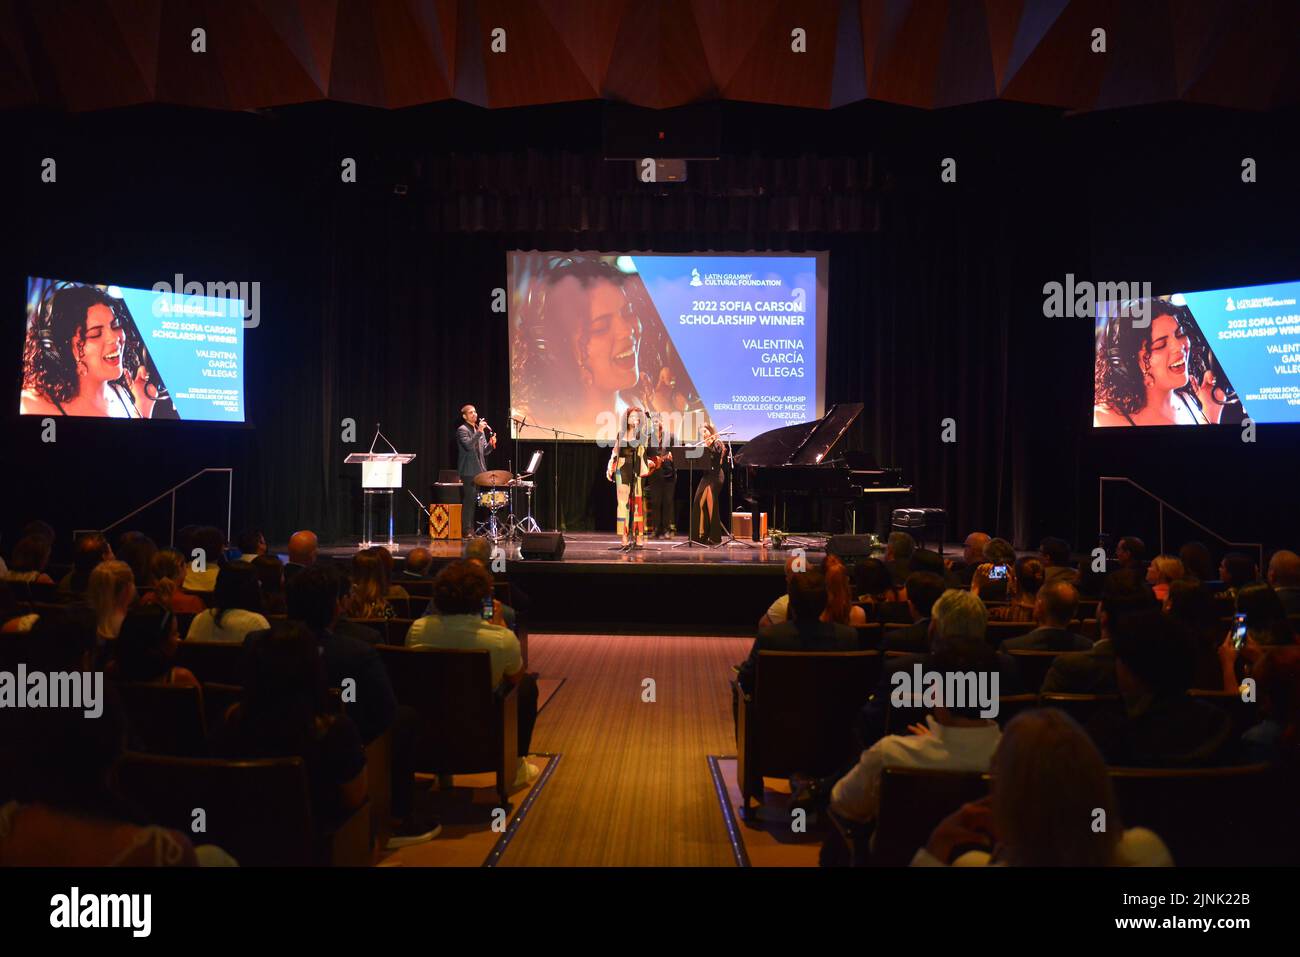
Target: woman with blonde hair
x=110 y=592
x=369 y=596
x=168 y=568
x=839 y=596
x=1051 y=804
x=1023 y=583
x=1161 y=573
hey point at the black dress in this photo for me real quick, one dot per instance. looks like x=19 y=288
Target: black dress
x=710 y=466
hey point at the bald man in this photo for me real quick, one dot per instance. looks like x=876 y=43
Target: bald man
x=972 y=554
x=302 y=552
x=1284 y=576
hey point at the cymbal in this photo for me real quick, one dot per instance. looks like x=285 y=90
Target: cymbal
x=493 y=478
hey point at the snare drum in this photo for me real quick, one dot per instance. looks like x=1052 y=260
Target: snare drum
x=493 y=499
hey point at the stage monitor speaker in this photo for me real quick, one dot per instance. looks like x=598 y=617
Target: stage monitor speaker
x=850 y=546
x=548 y=545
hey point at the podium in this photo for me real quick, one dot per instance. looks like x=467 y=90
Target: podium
x=381 y=475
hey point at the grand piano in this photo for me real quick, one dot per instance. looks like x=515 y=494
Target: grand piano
x=795 y=462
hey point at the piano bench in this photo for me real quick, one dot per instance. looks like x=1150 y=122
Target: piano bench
x=742 y=525
x=923 y=524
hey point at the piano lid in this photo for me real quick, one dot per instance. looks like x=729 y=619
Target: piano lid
x=808 y=443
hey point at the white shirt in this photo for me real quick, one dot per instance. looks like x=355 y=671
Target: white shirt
x=856 y=796
x=235 y=624
x=779 y=610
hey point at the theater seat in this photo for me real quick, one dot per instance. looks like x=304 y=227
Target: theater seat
x=218 y=661
x=1212 y=817
x=1244 y=714
x=470 y=728
x=800 y=715
x=1080 y=707
x=164 y=719
x=1033 y=666
x=257 y=811
x=912 y=803
x=999 y=631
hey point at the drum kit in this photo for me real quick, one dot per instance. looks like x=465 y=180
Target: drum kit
x=496 y=492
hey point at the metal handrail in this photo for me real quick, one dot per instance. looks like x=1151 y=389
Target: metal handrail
x=230 y=495
x=1101 y=516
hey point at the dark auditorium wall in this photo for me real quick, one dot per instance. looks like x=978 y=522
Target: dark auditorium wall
x=376 y=305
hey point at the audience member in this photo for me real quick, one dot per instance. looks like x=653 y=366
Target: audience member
x=145 y=649
x=1093 y=671
x=1163 y=570
x=1192 y=607
x=954 y=737
x=1047 y=777
x=460 y=590
x=1157 y=724
x=236 y=607
x=1237 y=571
x=1284 y=576
x=804 y=630
x=1197 y=562
x=418 y=562
x=89 y=550
x=285 y=712
x=839 y=596
x=211 y=545
x=369 y=596
x=270 y=575
x=479 y=550
x=302 y=554
x=1266 y=620
x=1028 y=578
x=1055 y=606
x=1130 y=554
x=1055 y=556
x=923 y=590
x=779 y=610
x=994 y=579
x=251 y=544
x=110 y=592
x=972 y=556
x=315 y=597
x=137 y=549
x=167 y=572
x=873 y=583
x=30 y=556
x=1276 y=738
x=898 y=556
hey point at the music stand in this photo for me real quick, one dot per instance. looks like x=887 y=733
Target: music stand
x=681 y=457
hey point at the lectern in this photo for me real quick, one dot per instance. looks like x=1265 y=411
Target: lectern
x=381 y=474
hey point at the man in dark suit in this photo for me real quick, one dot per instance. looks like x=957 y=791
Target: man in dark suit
x=923 y=590
x=1093 y=671
x=803 y=630
x=471 y=437
x=1054 y=609
x=302 y=553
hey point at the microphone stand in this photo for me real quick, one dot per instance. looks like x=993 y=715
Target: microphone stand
x=555 y=475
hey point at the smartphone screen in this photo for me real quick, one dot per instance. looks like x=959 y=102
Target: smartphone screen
x=997 y=572
x=487 y=608
x=1239 y=631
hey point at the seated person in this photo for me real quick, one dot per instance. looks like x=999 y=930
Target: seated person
x=1276 y=736
x=167 y=570
x=1284 y=576
x=1131 y=554
x=1157 y=724
x=460 y=591
x=110 y=593
x=90 y=549
x=315 y=597
x=1027 y=579
x=1054 y=609
x=285 y=712
x=30 y=556
x=1161 y=573
x=873 y=583
x=779 y=610
x=270 y=576
x=1046 y=777
x=251 y=543
x=954 y=736
x=804 y=630
x=145 y=649
x=1266 y=618
x=898 y=556
x=236 y=607
x=923 y=590
x=1054 y=553
x=839 y=596
x=302 y=553
x=1191 y=605
x=212 y=544
x=1198 y=565
x=1093 y=671
x=1236 y=571
x=369 y=596
x=418 y=562
x=137 y=549
x=972 y=556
